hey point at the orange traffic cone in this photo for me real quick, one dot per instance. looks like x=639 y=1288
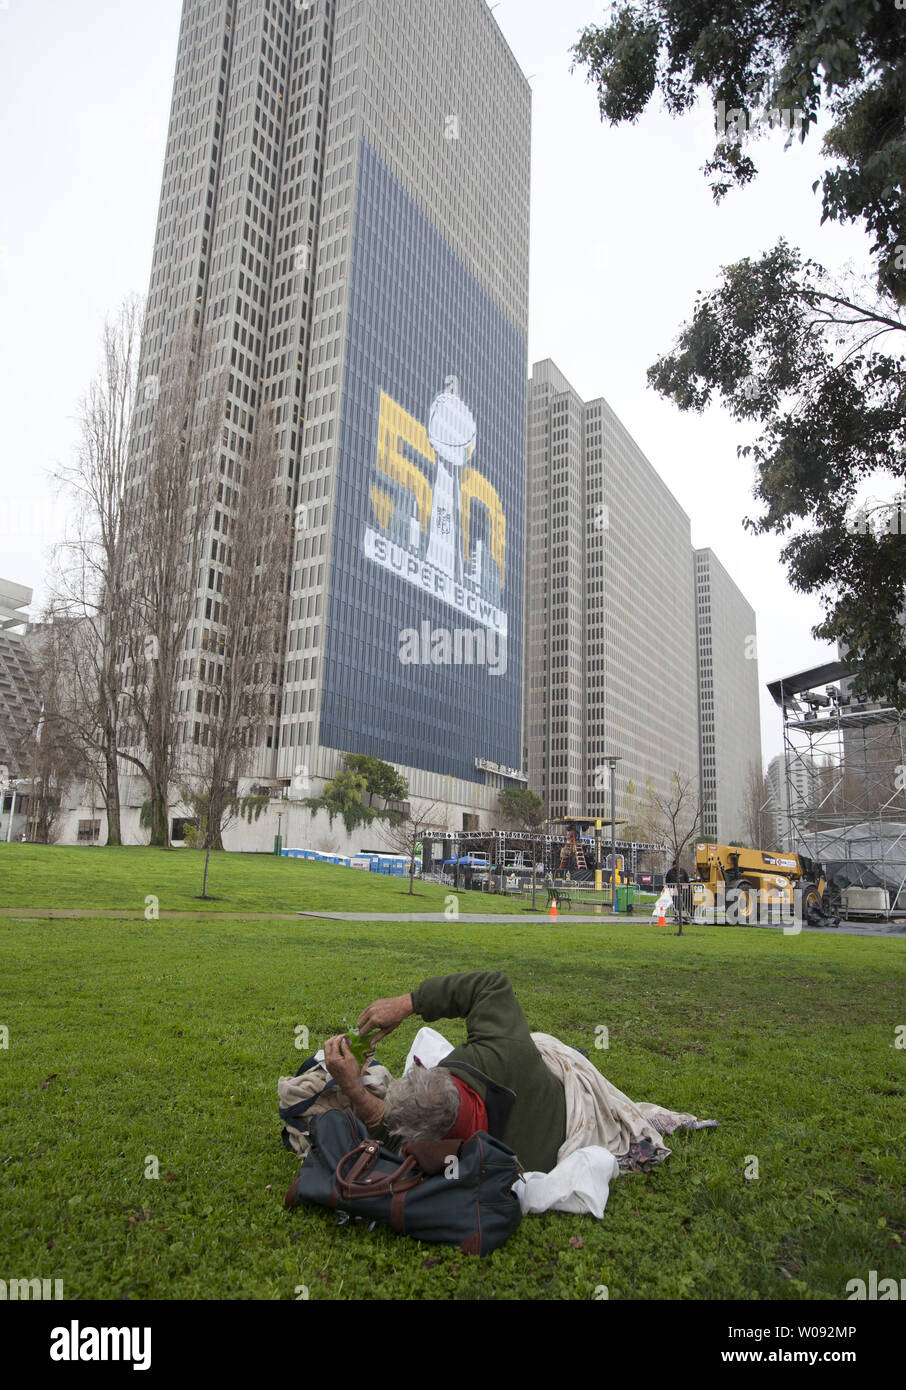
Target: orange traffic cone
x=553 y=907
x=662 y=920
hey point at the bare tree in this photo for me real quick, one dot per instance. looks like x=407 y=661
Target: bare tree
x=237 y=678
x=170 y=499
x=52 y=756
x=758 y=817
x=520 y=807
x=405 y=831
x=676 y=817
x=88 y=587
x=642 y=819
x=236 y=690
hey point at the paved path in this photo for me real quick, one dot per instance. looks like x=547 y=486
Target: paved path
x=846 y=928
x=138 y=913
x=526 y=918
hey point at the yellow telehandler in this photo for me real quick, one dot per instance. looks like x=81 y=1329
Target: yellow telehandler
x=754 y=879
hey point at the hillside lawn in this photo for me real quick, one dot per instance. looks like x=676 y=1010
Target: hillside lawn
x=130 y=1038
x=59 y=876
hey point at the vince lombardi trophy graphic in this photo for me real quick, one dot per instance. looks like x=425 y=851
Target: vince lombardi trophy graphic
x=452 y=431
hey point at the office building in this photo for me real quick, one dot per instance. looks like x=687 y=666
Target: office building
x=795 y=789
x=729 y=716
x=610 y=626
x=344 y=219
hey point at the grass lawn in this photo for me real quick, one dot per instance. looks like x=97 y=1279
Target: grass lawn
x=129 y=1039
x=59 y=876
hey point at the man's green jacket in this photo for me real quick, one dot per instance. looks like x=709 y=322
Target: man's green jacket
x=525 y=1102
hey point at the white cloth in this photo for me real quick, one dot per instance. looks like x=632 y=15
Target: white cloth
x=597 y=1113
x=579 y=1184
x=430 y=1047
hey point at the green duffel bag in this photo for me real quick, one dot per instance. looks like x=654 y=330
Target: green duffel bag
x=448 y=1192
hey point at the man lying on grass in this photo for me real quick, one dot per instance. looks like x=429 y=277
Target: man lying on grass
x=542 y=1098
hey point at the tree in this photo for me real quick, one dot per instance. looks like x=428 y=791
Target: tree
x=763 y=59
x=236 y=691
x=210 y=820
x=342 y=795
x=784 y=345
x=642 y=825
x=404 y=833
x=381 y=779
x=758 y=818
x=677 y=816
x=781 y=341
x=523 y=808
x=52 y=757
x=169 y=500
x=88 y=609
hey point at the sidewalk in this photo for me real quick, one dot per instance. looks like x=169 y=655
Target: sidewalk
x=527 y=918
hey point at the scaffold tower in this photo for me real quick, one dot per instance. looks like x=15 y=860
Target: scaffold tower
x=845 y=784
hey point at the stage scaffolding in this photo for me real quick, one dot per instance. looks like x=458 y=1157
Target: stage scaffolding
x=845 y=782
x=548 y=845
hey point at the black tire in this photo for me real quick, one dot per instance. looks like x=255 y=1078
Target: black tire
x=810 y=899
x=742 y=899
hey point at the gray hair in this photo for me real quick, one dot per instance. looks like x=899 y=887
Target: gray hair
x=423 y=1104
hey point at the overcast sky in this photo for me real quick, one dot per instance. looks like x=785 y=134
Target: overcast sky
x=624 y=232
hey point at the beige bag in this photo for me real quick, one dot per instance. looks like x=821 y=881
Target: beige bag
x=313 y=1091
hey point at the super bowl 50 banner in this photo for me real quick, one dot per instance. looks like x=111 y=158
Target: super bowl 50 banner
x=423 y=642
x=425 y=530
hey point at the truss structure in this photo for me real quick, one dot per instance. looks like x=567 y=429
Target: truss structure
x=845 y=782
x=550 y=847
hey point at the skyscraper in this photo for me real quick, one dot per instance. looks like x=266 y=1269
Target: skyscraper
x=728 y=697
x=610 y=629
x=344 y=218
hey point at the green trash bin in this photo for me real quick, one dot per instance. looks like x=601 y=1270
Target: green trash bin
x=625 y=897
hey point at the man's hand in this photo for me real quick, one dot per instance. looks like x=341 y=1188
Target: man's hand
x=385 y=1014
x=340 y=1062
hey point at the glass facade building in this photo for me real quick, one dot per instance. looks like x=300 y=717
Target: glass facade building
x=423 y=535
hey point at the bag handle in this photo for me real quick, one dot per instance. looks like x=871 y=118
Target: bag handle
x=352 y=1180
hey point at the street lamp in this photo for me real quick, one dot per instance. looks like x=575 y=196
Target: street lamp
x=612 y=761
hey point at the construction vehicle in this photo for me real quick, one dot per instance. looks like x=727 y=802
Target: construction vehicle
x=758 y=884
